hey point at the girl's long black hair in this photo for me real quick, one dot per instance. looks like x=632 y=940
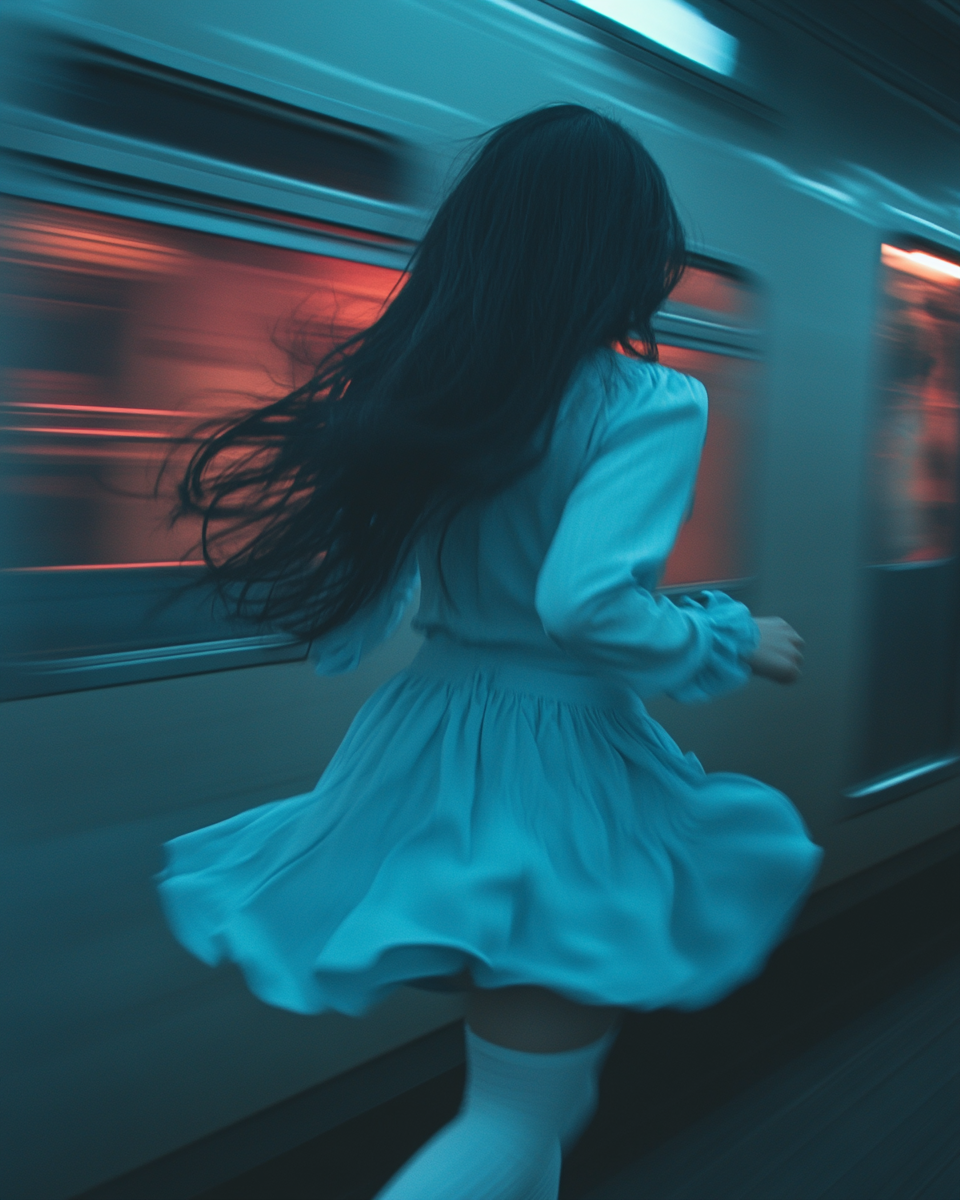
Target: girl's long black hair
x=559 y=238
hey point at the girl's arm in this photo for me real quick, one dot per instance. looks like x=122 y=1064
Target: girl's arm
x=596 y=590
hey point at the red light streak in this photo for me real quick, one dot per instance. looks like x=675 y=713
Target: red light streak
x=134 y=434
x=105 y=408
x=122 y=566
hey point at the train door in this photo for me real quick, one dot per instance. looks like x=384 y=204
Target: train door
x=909 y=736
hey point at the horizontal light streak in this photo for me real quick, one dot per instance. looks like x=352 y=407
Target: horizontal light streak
x=36 y=406
x=678 y=26
x=918 y=262
x=121 y=566
x=75 y=241
x=62 y=431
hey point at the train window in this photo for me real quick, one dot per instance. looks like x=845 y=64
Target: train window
x=910 y=734
x=728 y=296
x=134 y=98
x=914 y=462
x=714 y=545
x=119 y=336
x=708 y=329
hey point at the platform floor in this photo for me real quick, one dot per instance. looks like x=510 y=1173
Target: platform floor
x=834 y=1076
x=870 y=1113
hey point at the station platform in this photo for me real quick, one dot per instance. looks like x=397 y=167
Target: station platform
x=833 y=1076
x=870 y=1113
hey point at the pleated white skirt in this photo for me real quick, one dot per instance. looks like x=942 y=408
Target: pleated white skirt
x=484 y=811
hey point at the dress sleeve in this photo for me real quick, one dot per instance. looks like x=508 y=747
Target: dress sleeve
x=341 y=650
x=596 y=589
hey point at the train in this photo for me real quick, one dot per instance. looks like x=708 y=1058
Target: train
x=197 y=198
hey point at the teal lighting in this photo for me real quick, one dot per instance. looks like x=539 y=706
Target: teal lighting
x=678 y=26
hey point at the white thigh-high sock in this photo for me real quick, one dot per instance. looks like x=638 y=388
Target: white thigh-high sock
x=582 y=1112
x=505 y=1143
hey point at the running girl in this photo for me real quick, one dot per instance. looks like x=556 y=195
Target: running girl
x=503 y=816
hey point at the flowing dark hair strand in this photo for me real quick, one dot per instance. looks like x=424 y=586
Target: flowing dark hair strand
x=559 y=238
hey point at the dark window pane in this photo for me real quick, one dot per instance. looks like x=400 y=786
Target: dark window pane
x=142 y=100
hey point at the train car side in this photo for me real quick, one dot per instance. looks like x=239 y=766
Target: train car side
x=790 y=185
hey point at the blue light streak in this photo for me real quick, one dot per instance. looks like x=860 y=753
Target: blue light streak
x=678 y=26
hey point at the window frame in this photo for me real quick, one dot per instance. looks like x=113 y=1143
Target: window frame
x=39 y=147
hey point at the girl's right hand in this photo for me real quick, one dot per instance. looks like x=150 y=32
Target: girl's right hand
x=779 y=653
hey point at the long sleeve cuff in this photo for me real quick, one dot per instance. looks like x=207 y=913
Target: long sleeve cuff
x=734 y=636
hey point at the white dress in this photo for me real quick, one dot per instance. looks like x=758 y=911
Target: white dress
x=506 y=803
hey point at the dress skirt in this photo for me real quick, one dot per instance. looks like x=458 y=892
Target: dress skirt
x=490 y=812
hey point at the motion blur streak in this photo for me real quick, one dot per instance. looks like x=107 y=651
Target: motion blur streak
x=123 y=335
x=678 y=26
x=126 y=334
x=914 y=477
x=916 y=262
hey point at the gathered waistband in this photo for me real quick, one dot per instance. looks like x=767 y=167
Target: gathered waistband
x=513 y=670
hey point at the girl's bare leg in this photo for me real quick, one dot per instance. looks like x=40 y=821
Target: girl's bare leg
x=535 y=1019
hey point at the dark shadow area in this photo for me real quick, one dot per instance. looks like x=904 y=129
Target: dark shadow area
x=668 y=1069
